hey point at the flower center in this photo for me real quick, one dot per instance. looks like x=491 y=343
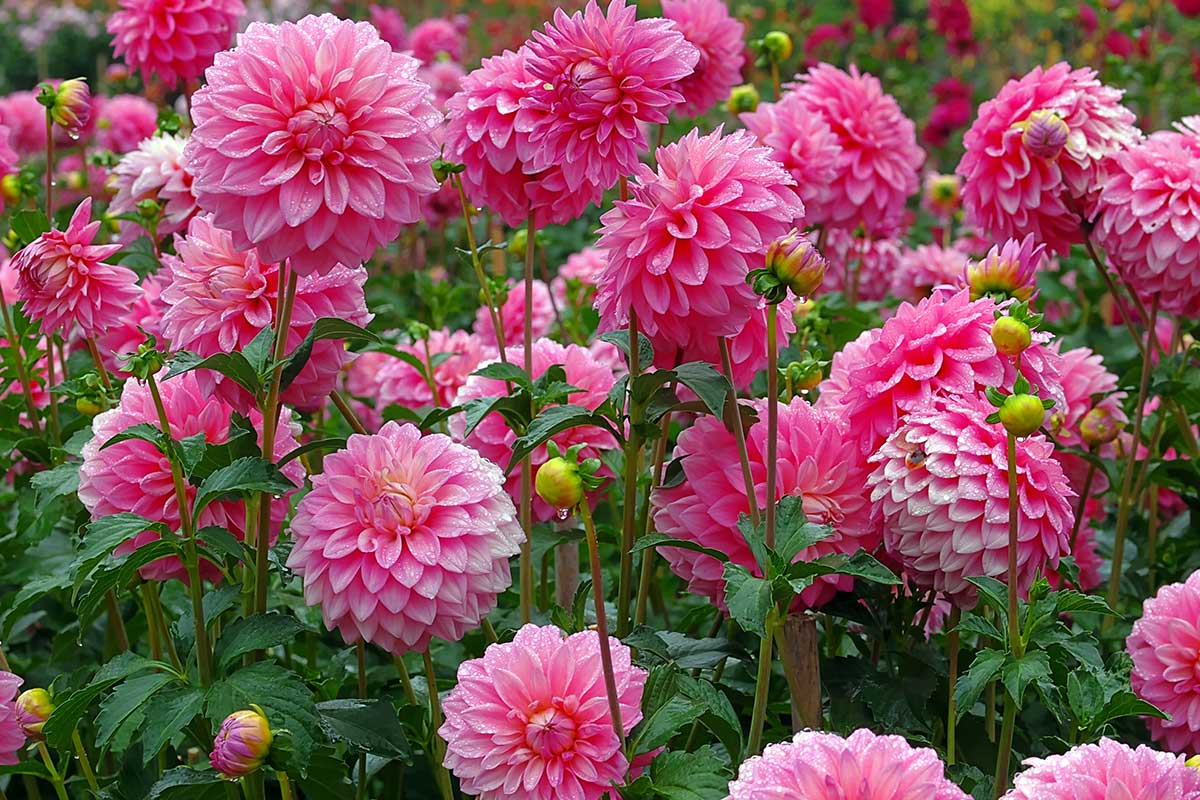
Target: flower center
x=397 y=509
x=321 y=129
x=550 y=732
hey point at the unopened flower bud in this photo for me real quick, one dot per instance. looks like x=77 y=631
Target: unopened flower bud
x=148 y=209
x=777 y=46
x=743 y=99
x=1011 y=336
x=88 y=406
x=1045 y=134
x=796 y=263
x=1099 y=426
x=75 y=180
x=559 y=484
x=517 y=242
x=69 y=104
x=242 y=744
x=1022 y=414
x=804 y=375
x=34 y=707
x=10 y=188
x=943 y=194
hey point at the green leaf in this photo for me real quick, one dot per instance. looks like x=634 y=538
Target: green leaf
x=186 y=783
x=621 y=340
x=326 y=777
x=367 y=726
x=663 y=540
x=549 y=422
x=167 y=716
x=1125 y=704
x=218 y=544
x=1018 y=673
x=256 y=632
x=243 y=477
x=793 y=532
x=1072 y=602
x=708 y=384
x=993 y=593
x=973 y=623
x=232 y=365
x=504 y=371
x=690 y=776
x=324 y=328
x=719 y=717
x=281 y=694
x=139 y=256
x=258 y=352
x=57 y=482
x=143 y=431
x=127 y=699
x=661 y=725
x=1085 y=695
x=69 y=710
x=119 y=571
x=477 y=410
x=336 y=443
x=748 y=599
x=984 y=669
x=28 y=225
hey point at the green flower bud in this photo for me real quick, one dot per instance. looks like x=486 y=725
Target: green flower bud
x=1099 y=426
x=1011 y=336
x=742 y=99
x=559 y=484
x=517 y=242
x=1022 y=414
x=34 y=707
x=777 y=46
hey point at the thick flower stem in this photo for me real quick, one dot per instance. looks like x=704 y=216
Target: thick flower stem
x=85 y=764
x=1015 y=643
x=739 y=432
x=99 y=362
x=526 y=509
x=1126 y=499
x=762 y=686
x=610 y=680
x=56 y=780
x=22 y=373
x=1004 y=754
x=343 y=407
x=1083 y=498
x=285 y=786
x=50 y=168
x=477 y=265
x=360 y=650
x=633 y=467
x=51 y=381
x=798 y=642
x=647 y=567
x=191 y=557
x=952 y=642
x=270 y=409
x=438 y=755
x=772 y=421
x=115 y=622
x=154 y=604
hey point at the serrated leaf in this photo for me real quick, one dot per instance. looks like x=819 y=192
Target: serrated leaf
x=323 y=328
x=256 y=632
x=1018 y=673
x=119 y=571
x=232 y=365
x=143 y=431
x=984 y=669
x=70 y=709
x=336 y=443
x=505 y=371
x=477 y=410
x=748 y=599
x=973 y=623
x=57 y=482
x=126 y=699
x=550 y=421
x=719 y=715
x=326 y=777
x=281 y=694
x=367 y=726
x=243 y=477
x=167 y=716
x=186 y=783
x=1125 y=704
x=993 y=593
x=621 y=340
x=1070 y=601
x=708 y=384
x=690 y=776
x=1085 y=695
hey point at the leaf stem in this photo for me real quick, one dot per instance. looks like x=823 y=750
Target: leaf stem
x=610 y=681
x=739 y=431
x=762 y=686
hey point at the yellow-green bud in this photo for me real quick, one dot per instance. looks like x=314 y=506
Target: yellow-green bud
x=1011 y=336
x=34 y=707
x=777 y=46
x=559 y=484
x=1022 y=414
x=10 y=188
x=742 y=99
x=795 y=261
x=1099 y=426
x=88 y=406
x=517 y=243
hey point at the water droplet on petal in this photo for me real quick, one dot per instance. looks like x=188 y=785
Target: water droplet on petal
x=562 y=514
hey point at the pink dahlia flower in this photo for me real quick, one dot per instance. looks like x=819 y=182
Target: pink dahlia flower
x=145 y=316
x=173 y=40
x=434 y=37
x=825 y=766
x=64 y=281
x=576 y=280
x=390 y=381
x=327 y=172
x=1008 y=270
x=600 y=75
x=219 y=298
x=1008 y=192
x=153 y=172
x=12 y=735
x=1165 y=648
x=405 y=537
x=924 y=268
x=942 y=488
x=445 y=79
x=26 y=121
x=719 y=37
x=747 y=348
x=800 y=140
x=1104 y=771
x=531 y=718
x=817 y=462
x=1087 y=558
x=124 y=121
x=1149 y=219
x=871 y=263
x=681 y=247
x=512 y=316
x=494 y=439
x=877 y=170
x=134 y=477
x=390 y=24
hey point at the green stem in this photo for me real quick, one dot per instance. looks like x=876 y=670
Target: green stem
x=772 y=421
x=56 y=780
x=360 y=649
x=633 y=457
x=405 y=681
x=488 y=631
x=762 y=686
x=477 y=265
x=85 y=764
x=526 y=508
x=610 y=682
x=952 y=643
x=1014 y=623
x=1083 y=498
x=285 y=786
x=22 y=373
x=437 y=757
x=50 y=168
x=1004 y=755
x=99 y=362
x=51 y=382
x=343 y=407
x=739 y=432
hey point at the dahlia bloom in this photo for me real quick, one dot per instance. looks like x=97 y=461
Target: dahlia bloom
x=405 y=537
x=174 y=40
x=12 y=736
x=599 y=75
x=434 y=37
x=825 y=766
x=1007 y=192
x=681 y=247
x=1008 y=270
x=800 y=140
x=875 y=261
x=1164 y=645
x=531 y=718
x=1106 y=770
x=747 y=348
x=580 y=270
x=512 y=316
x=1149 y=219
x=1086 y=384
x=719 y=37
x=924 y=268
x=219 y=298
x=817 y=461
x=134 y=476
x=241 y=744
x=445 y=79
x=64 y=281
x=942 y=488
x=122 y=122
x=876 y=171
x=325 y=173
x=127 y=335
x=494 y=439
x=25 y=118
x=153 y=172
x=390 y=24
x=951 y=112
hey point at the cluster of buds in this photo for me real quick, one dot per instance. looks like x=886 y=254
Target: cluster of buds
x=34 y=707
x=1044 y=134
x=147 y=361
x=1022 y=412
x=1012 y=333
x=792 y=262
x=242 y=744
x=563 y=481
x=443 y=169
x=68 y=104
x=803 y=375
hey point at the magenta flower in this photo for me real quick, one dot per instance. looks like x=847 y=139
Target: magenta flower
x=12 y=735
x=576 y=280
x=26 y=121
x=879 y=160
x=219 y=298
x=600 y=74
x=825 y=766
x=242 y=743
x=942 y=488
x=1149 y=219
x=1008 y=192
x=924 y=268
x=122 y=122
x=64 y=281
x=870 y=263
x=512 y=316
x=494 y=439
x=133 y=476
x=153 y=172
x=706 y=24
x=390 y=24
x=800 y=140
x=817 y=462
x=173 y=40
x=405 y=537
x=681 y=247
x=1164 y=645
x=1104 y=771
x=531 y=718
x=1008 y=270
x=434 y=37
x=327 y=172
